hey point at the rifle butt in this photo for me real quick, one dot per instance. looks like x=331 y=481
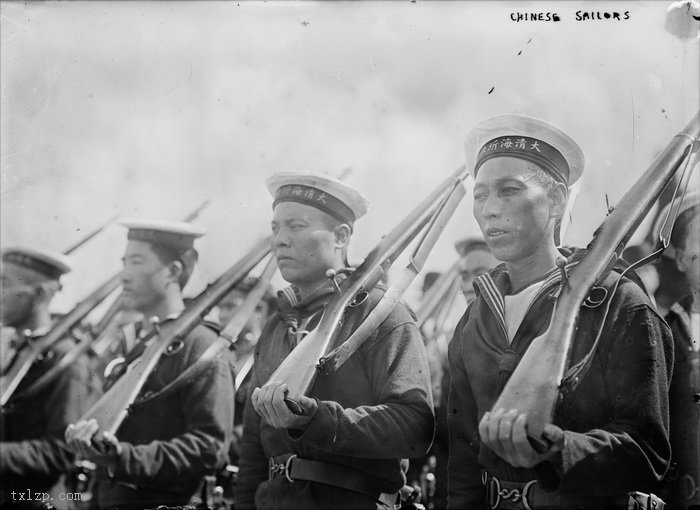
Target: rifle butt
x=298 y=370
x=533 y=388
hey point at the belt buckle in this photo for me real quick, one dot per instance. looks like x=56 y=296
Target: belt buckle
x=494 y=493
x=281 y=468
x=287 y=466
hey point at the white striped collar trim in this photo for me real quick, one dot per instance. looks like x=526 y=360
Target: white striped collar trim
x=290 y=294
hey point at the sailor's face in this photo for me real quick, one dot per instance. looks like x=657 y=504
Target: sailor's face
x=144 y=277
x=475 y=263
x=513 y=211
x=17 y=295
x=303 y=243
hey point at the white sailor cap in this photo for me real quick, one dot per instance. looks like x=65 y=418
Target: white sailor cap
x=528 y=138
x=687 y=202
x=48 y=263
x=177 y=236
x=332 y=196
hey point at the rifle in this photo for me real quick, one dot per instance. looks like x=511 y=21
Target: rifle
x=535 y=391
x=228 y=336
x=111 y=409
x=439 y=298
x=12 y=377
x=300 y=368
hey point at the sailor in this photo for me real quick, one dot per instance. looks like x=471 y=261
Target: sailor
x=33 y=454
x=683 y=478
x=167 y=444
x=345 y=450
x=609 y=436
x=475 y=259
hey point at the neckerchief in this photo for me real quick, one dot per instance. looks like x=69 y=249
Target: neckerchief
x=295 y=312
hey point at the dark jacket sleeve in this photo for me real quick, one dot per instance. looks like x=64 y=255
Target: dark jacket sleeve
x=401 y=423
x=67 y=399
x=253 y=467
x=632 y=450
x=207 y=406
x=464 y=473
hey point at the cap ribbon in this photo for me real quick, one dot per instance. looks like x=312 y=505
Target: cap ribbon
x=530 y=149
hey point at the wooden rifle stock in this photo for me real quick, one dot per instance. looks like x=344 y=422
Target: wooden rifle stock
x=9 y=381
x=536 y=382
x=111 y=409
x=299 y=369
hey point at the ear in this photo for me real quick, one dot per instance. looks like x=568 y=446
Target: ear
x=679 y=259
x=558 y=196
x=342 y=235
x=175 y=269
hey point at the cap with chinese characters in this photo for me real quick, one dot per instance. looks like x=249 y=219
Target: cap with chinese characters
x=684 y=204
x=465 y=246
x=331 y=196
x=177 y=236
x=48 y=263
x=528 y=138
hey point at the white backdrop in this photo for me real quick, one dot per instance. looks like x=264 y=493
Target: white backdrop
x=147 y=109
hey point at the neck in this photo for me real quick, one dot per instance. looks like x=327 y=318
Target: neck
x=695 y=305
x=533 y=267
x=171 y=303
x=39 y=318
x=308 y=288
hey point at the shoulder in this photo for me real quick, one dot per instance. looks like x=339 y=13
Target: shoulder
x=202 y=336
x=400 y=315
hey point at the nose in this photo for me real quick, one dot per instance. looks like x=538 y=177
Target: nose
x=491 y=207
x=124 y=276
x=279 y=240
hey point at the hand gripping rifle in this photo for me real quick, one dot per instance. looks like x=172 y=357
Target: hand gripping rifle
x=111 y=409
x=300 y=368
x=535 y=391
x=18 y=368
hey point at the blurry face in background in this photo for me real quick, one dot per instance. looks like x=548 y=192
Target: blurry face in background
x=476 y=262
x=17 y=294
x=144 y=277
x=688 y=259
x=249 y=335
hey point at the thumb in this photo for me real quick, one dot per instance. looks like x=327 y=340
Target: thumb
x=310 y=405
x=554 y=434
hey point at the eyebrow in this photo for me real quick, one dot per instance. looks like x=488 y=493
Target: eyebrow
x=287 y=221
x=502 y=180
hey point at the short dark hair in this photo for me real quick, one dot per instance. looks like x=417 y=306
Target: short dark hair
x=681 y=227
x=188 y=259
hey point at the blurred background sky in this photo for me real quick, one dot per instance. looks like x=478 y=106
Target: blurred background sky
x=150 y=108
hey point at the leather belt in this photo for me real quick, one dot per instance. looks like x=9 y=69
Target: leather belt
x=293 y=468
x=505 y=495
